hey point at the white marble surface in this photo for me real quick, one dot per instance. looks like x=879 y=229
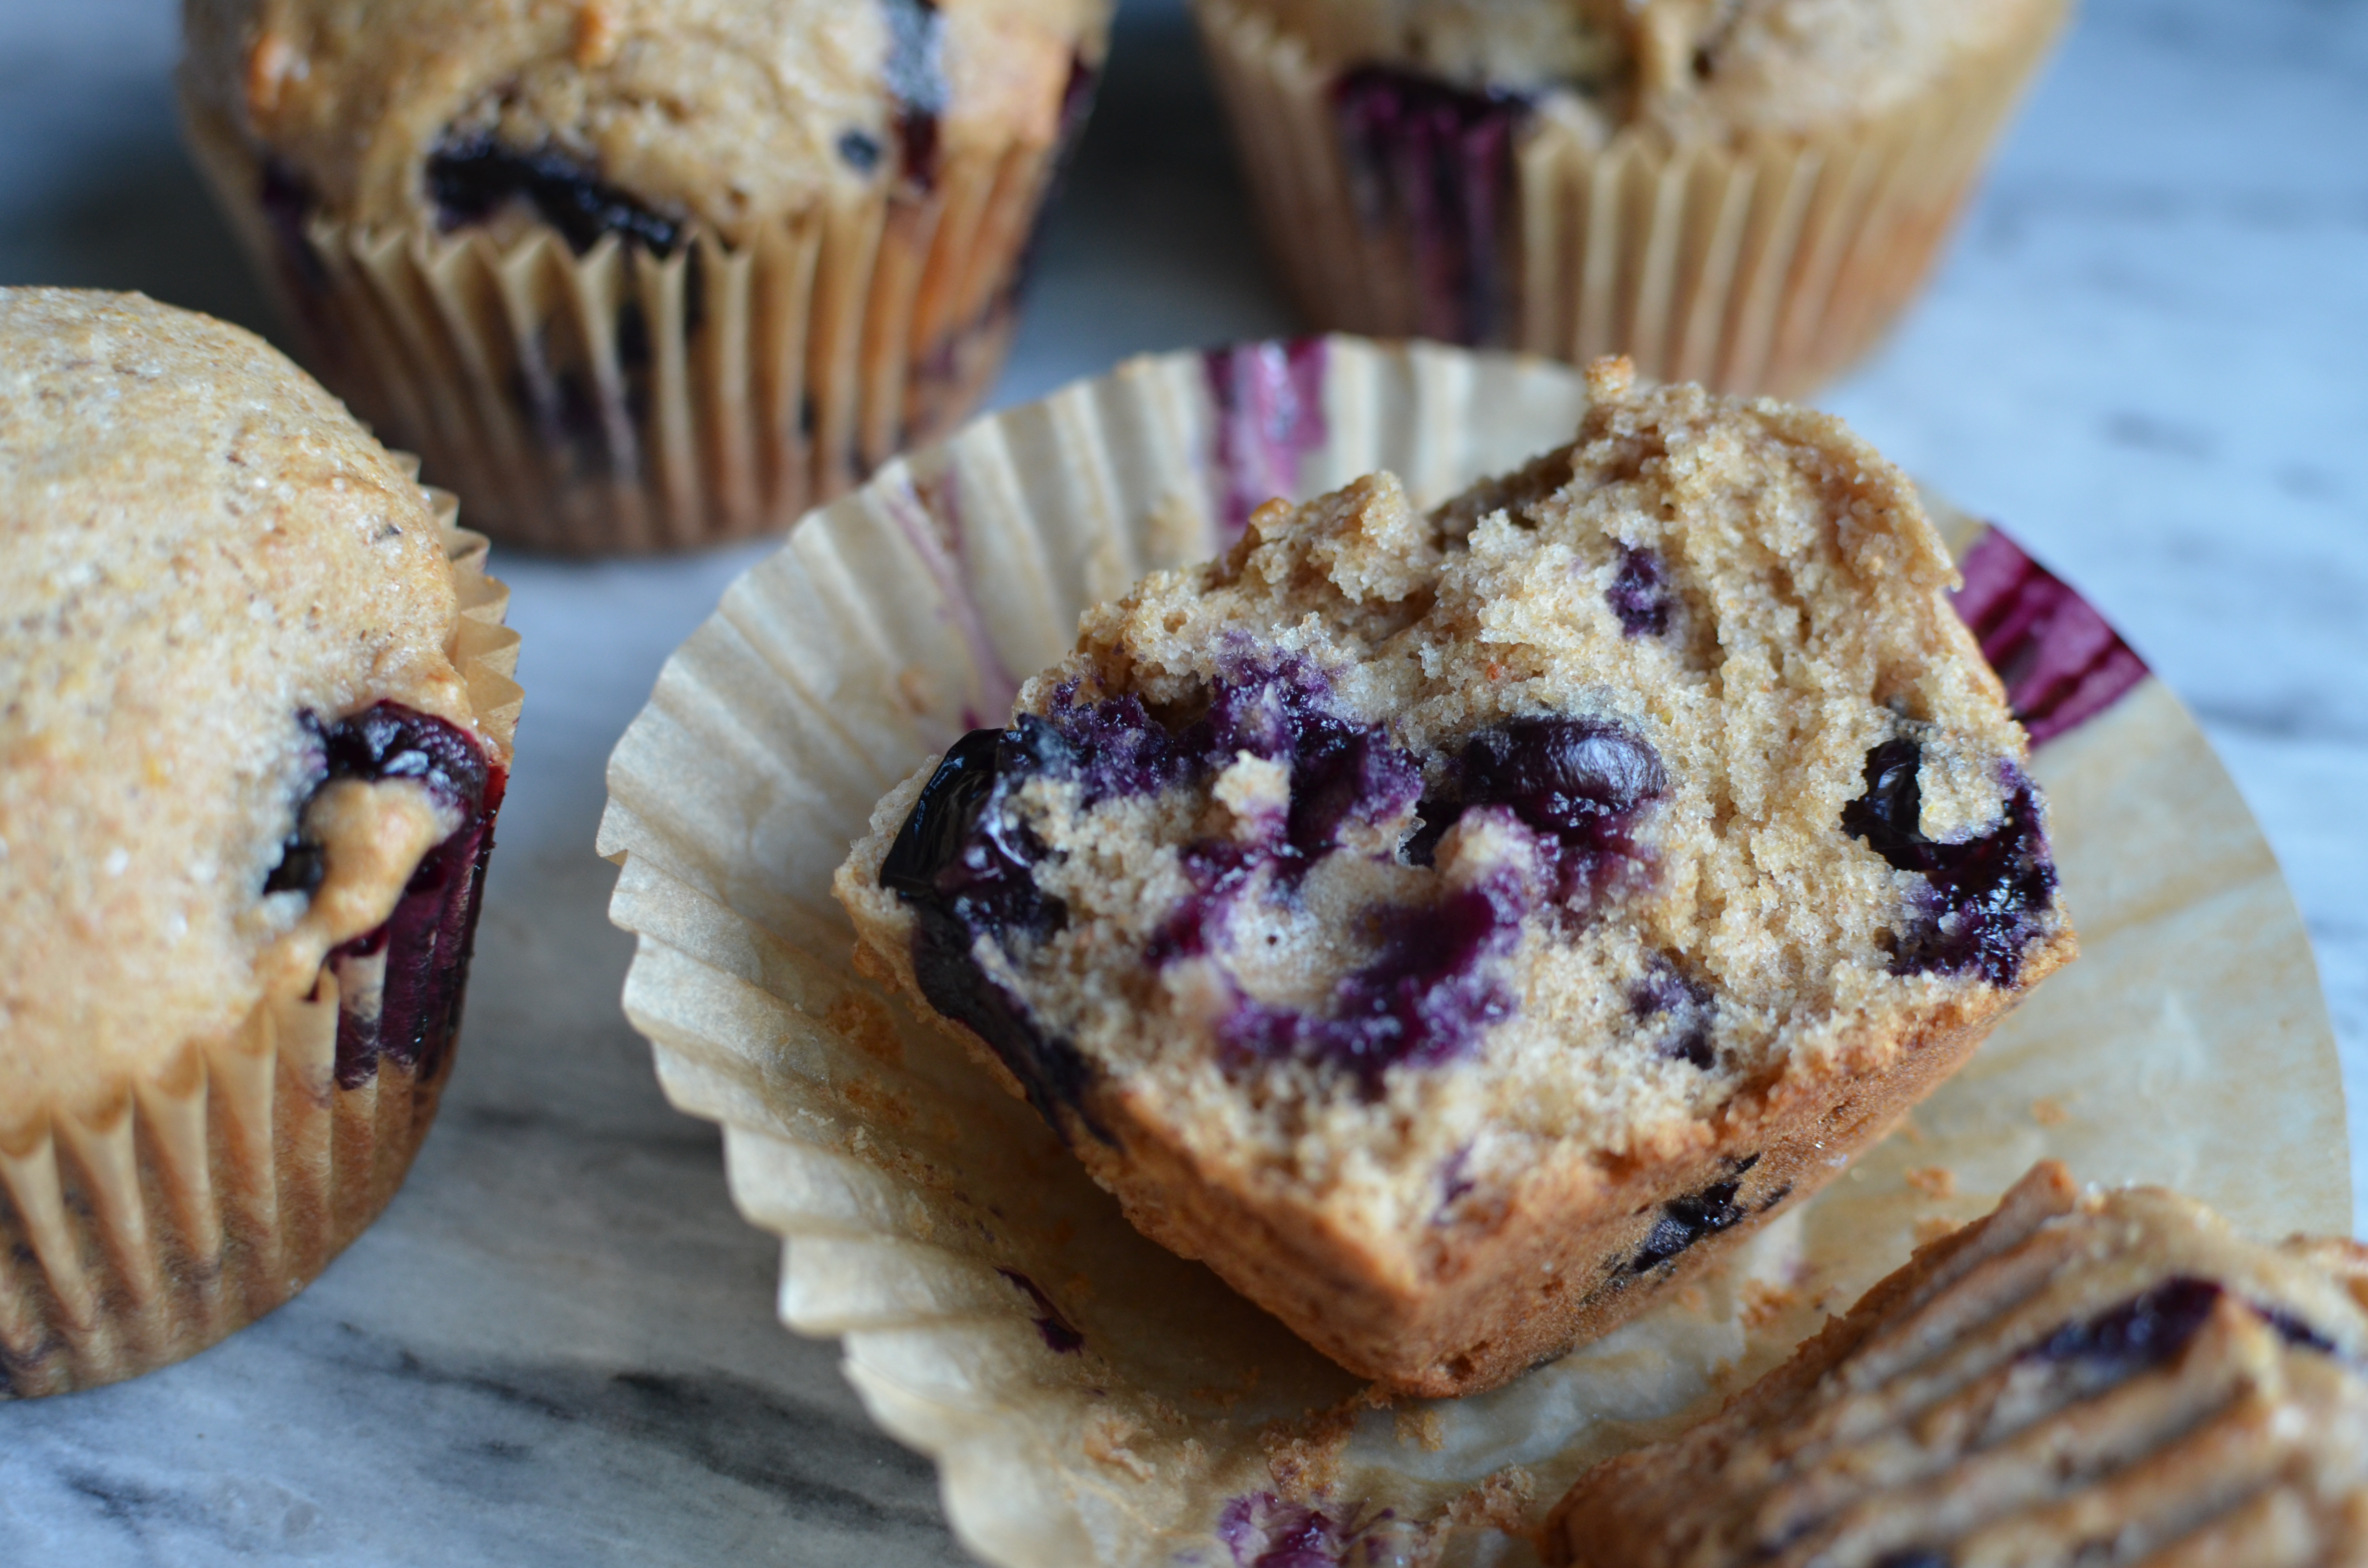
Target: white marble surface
x=2148 y=353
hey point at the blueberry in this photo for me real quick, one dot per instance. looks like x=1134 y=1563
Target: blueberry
x=428 y=939
x=2145 y=1330
x=964 y=862
x=1685 y=1221
x=1689 y=1006
x=1581 y=782
x=472 y=177
x=1562 y=776
x=1639 y=596
x=1989 y=893
x=858 y=151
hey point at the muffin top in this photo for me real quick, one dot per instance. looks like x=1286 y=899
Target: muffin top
x=209 y=560
x=729 y=112
x=1694 y=66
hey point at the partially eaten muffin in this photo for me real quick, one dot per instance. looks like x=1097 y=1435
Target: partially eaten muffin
x=1445 y=926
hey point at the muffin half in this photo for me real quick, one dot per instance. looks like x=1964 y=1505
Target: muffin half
x=1454 y=928
x=642 y=274
x=257 y=727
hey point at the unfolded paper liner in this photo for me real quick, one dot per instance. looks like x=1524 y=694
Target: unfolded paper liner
x=1091 y=1398
x=624 y=401
x=196 y=1199
x=1764 y=266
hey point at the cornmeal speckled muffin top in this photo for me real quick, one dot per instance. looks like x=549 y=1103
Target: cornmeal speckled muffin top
x=209 y=564
x=1706 y=66
x=731 y=112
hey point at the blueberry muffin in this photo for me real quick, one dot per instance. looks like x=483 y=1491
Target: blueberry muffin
x=257 y=726
x=2109 y=1379
x=634 y=274
x=1446 y=925
x=1742 y=192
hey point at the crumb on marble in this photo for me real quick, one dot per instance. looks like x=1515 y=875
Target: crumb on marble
x=1500 y=1502
x=1106 y=1440
x=1764 y=1303
x=1418 y=1426
x=1935 y=1182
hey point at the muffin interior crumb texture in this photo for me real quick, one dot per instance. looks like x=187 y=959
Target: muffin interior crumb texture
x=1393 y=856
x=231 y=733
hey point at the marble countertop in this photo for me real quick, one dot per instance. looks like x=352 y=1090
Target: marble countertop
x=2148 y=352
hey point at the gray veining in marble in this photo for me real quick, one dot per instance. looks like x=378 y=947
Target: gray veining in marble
x=2148 y=353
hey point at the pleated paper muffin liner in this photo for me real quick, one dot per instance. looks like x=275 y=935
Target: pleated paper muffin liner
x=1767 y=266
x=624 y=401
x=196 y=1198
x=1088 y=1397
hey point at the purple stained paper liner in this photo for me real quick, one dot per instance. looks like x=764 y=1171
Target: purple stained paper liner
x=1091 y=1398
x=202 y=1197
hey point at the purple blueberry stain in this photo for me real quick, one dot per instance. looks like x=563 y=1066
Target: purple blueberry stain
x=1059 y=1335
x=1685 y=1008
x=1639 y=596
x=2295 y=1330
x=2061 y=662
x=1435 y=162
x=426 y=943
x=1426 y=997
x=472 y=176
x=1263 y=1530
x=287 y=202
x=2148 y=1329
x=1684 y=1220
x=1987 y=894
x=1269 y=414
x=916 y=81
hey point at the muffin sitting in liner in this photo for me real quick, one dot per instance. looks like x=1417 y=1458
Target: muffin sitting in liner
x=2099 y=1380
x=1741 y=192
x=641 y=274
x=257 y=727
x=1450 y=926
